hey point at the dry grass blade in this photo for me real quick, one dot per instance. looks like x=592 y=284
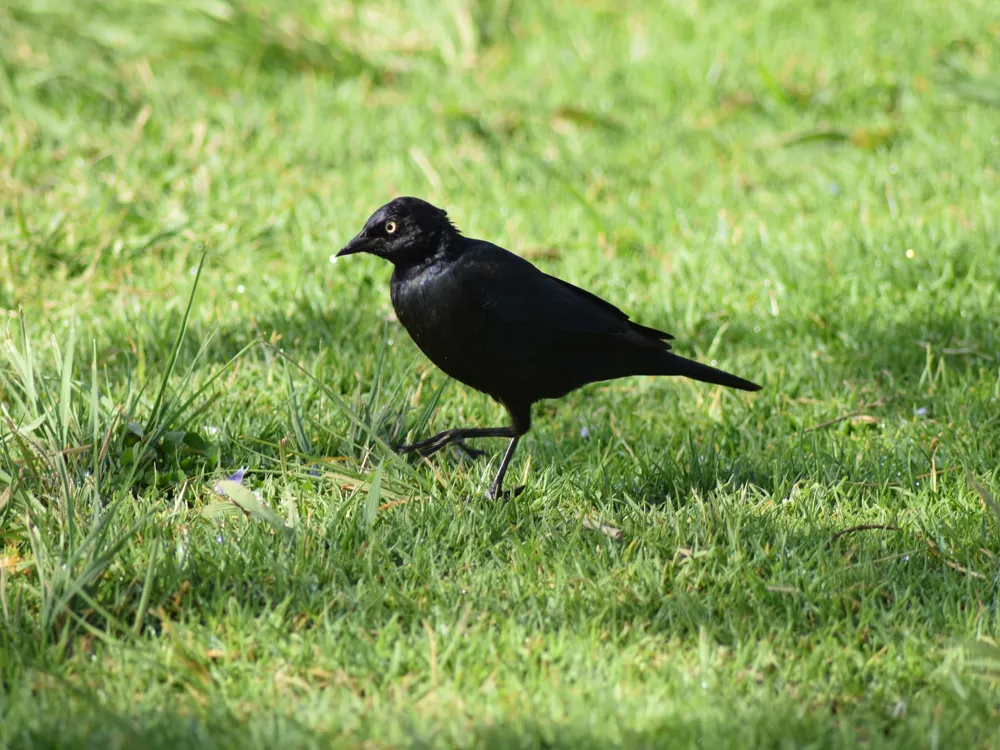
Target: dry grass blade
x=862 y=527
x=608 y=531
x=935 y=552
x=963 y=570
x=782 y=589
x=396 y=503
x=860 y=413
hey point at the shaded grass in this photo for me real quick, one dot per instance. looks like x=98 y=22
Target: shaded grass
x=802 y=193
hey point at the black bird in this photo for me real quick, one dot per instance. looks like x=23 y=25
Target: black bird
x=493 y=321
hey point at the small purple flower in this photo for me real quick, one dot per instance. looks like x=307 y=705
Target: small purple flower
x=236 y=476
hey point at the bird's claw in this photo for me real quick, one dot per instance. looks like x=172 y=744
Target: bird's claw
x=422 y=449
x=504 y=495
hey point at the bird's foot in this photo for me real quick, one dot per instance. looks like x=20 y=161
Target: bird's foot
x=425 y=448
x=432 y=444
x=436 y=443
x=504 y=495
x=402 y=449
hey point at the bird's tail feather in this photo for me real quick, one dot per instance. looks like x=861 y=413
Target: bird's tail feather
x=688 y=368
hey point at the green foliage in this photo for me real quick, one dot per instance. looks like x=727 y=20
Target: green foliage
x=205 y=536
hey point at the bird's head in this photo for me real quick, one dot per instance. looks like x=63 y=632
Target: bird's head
x=404 y=230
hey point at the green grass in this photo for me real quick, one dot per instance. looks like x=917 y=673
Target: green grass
x=806 y=193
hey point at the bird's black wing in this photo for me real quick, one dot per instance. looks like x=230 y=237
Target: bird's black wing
x=662 y=335
x=517 y=296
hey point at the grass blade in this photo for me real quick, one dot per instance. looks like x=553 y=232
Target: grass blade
x=154 y=414
x=66 y=388
x=147 y=587
x=373 y=498
x=345 y=408
x=95 y=422
x=298 y=428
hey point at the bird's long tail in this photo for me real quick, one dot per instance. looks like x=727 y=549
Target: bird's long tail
x=688 y=368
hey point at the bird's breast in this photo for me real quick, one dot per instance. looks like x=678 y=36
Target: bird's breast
x=440 y=316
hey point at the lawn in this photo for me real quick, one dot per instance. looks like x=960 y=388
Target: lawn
x=806 y=193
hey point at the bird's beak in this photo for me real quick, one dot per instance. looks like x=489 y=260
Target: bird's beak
x=359 y=244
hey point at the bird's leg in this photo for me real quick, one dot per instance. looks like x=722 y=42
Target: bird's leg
x=439 y=441
x=497 y=489
x=521 y=418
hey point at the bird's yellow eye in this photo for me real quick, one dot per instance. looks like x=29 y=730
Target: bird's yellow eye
x=390 y=227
